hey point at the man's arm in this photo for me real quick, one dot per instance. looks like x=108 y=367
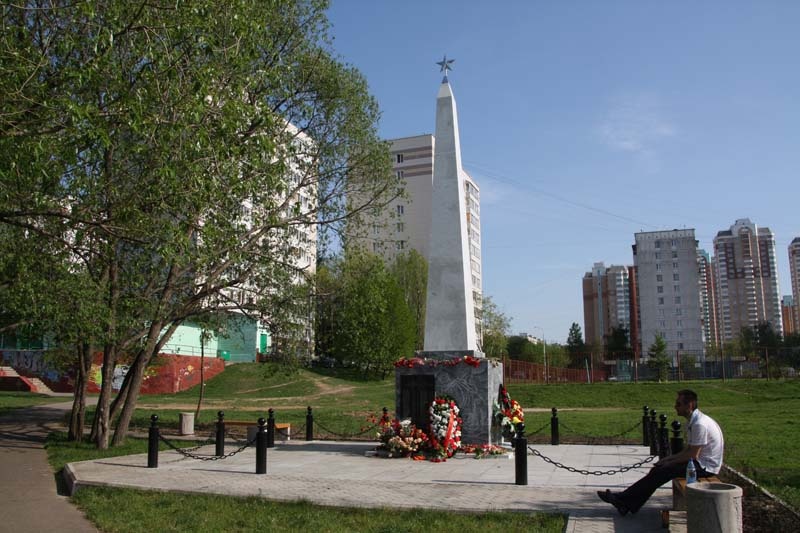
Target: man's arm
x=690 y=452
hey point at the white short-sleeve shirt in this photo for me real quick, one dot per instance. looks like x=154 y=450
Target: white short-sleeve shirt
x=704 y=431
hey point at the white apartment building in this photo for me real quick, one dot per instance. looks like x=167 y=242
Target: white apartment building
x=747 y=279
x=668 y=288
x=405 y=224
x=794 y=273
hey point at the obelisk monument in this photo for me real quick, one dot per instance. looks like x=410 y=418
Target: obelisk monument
x=451 y=363
x=450 y=314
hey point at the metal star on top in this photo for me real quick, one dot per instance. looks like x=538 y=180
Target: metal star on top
x=445 y=65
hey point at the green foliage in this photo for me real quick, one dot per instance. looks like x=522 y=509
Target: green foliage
x=160 y=164
x=617 y=342
x=410 y=270
x=575 y=344
x=363 y=317
x=495 y=326
x=658 y=358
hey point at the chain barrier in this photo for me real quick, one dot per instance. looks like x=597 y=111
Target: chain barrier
x=188 y=454
x=343 y=436
x=300 y=431
x=546 y=425
x=206 y=442
x=594 y=438
x=574 y=470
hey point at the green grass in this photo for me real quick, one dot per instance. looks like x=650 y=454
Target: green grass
x=19 y=400
x=132 y=511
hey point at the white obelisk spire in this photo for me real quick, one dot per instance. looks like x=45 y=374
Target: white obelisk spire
x=450 y=315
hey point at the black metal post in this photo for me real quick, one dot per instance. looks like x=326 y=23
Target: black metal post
x=554 y=437
x=677 y=439
x=653 y=432
x=309 y=424
x=521 y=456
x=152 y=443
x=271 y=428
x=663 y=437
x=261 y=447
x=645 y=426
x=220 y=440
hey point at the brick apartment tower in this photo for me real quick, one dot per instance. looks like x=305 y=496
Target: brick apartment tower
x=794 y=269
x=747 y=279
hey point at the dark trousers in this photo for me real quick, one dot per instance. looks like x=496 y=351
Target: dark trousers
x=637 y=494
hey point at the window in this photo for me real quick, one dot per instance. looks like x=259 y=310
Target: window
x=660 y=312
x=674 y=255
x=399 y=158
x=676 y=277
x=659 y=277
x=658 y=266
x=674 y=265
x=375 y=247
x=680 y=346
x=376 y=228
x=674 y=243
x=660 y=289
x=677 y=299
x=400 y=209
x=662 y=323
x=399 y=174
x=679 y=323
x=400 y=245
x=661 y=301
x=400 y=227
x=678 y=312
x=679 y=334
x=658 y=245
x=658 y=255
x=676 y=288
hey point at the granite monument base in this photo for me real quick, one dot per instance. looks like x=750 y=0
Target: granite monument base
x=474 y=387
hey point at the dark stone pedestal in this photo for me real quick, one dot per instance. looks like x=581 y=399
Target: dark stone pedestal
x=474 y=388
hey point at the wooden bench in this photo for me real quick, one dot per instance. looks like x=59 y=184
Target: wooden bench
x=679 y=491
x=283 y=431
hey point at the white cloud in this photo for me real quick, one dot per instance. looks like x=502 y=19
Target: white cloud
x=636 y=123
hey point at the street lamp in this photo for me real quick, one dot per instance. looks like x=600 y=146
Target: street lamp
x=544 y=352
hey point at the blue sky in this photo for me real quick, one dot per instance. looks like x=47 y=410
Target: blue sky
x=585 y=122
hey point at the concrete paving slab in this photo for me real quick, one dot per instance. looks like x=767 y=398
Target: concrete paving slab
x=341 y=474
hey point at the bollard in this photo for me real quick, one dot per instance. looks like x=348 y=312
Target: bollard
x=554 y=437
x=271 y=428
x=676 y=444
x=521 y=456
x=652 y=432
x=220 y=440
x=385 y=417
x=152 y=443
x=261 y=447
x=645 y=425
x=663 y=437
x=309 y=425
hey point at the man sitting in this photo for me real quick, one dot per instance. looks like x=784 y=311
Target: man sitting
x=704 y=446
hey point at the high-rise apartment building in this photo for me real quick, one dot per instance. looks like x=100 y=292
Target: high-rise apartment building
x=405 y=223
x=668 y=288
x=747 y=279
x=708 y=298
x=606 y=302
x=788 y=311
x=794 y=270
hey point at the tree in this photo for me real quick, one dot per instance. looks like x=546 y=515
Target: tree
x=658 y=358
x=575 y=345
x=369 y=322
x=410 y=270
x=617 y=342
x=495 y=327
x=173 y=158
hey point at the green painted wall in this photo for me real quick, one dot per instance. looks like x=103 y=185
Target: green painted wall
x=245 y=337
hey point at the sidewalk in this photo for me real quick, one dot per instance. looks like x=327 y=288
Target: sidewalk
x=342 y=474
x=28 y=494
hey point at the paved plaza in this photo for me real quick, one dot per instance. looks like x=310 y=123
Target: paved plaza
x=344 y=474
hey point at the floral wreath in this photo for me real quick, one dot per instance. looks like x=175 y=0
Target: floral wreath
x=445 y=435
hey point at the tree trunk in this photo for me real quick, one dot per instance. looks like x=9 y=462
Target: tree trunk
x=102 y=420
x=77 y=419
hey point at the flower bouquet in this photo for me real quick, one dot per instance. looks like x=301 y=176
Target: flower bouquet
x=508 y=413
x=401 y=438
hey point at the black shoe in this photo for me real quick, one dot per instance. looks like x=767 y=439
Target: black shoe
x=609 y=497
